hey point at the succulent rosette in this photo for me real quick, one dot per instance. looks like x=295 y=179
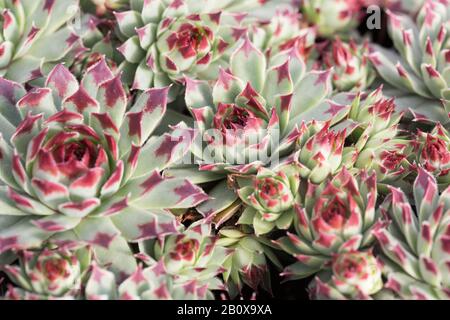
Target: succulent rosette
x=149 y=283
x=36 y=35
x=353 y=275
x=77 y=167
x=249 y=118
x=99 y=42
x=48 y=274
x=352 y=70
x=332 y=16
x=422 y=64
x=373 y=140
x=372 y=112
x=321 y=151
x=270 y=197
x=168 y=39
x=253 y=109
x=282 y=31
x=415 y=244
x=249 y=262
x=431 y=151
x=191 y=255
x=380 y=144
x=337 y=216
x=390 y=162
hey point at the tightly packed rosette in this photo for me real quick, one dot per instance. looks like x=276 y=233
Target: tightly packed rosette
x=373 y=140
x=192 y=256
x=48 y=274
x=253 y=109
x=270 y=197
x=375 y=114
x=168 y=39
x=98 y=42
x=284 y=30
x=431 y=151
x=380 y=145
x=77 y=167
x=352 y=70
x=36 y=34
x=422 y=64
x=415 y=244
x=249 y=262
x=389 y=161
x=353 y=275
x=249 y=118
x=321 y=151
x=332 y=16
x=149 y=283
x=337 y=216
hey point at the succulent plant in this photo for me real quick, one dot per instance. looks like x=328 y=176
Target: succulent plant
x=253 y=109
x=332 y=16
x=249 y=117
x=282 y=31
x=77 y=167
x=166 y=40
x=431 y=151
x=321 y=151
x=389 y=161
x=374 y=113
x=191 y=254
x=150 y=283
x=369 y=112
x=352 y=69
x=249 y=262
x=337 y=216
x=362 y=134
x=48 y=274
x=270 y=198
x=369 y=127
x=415 y=243
x=35 y=36
x=421 y=66
x=99 y=42
x=195 y=149
x=352 y=275
x=380 y=144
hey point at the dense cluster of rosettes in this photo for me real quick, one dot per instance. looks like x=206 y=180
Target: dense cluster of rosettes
x=187 y=149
